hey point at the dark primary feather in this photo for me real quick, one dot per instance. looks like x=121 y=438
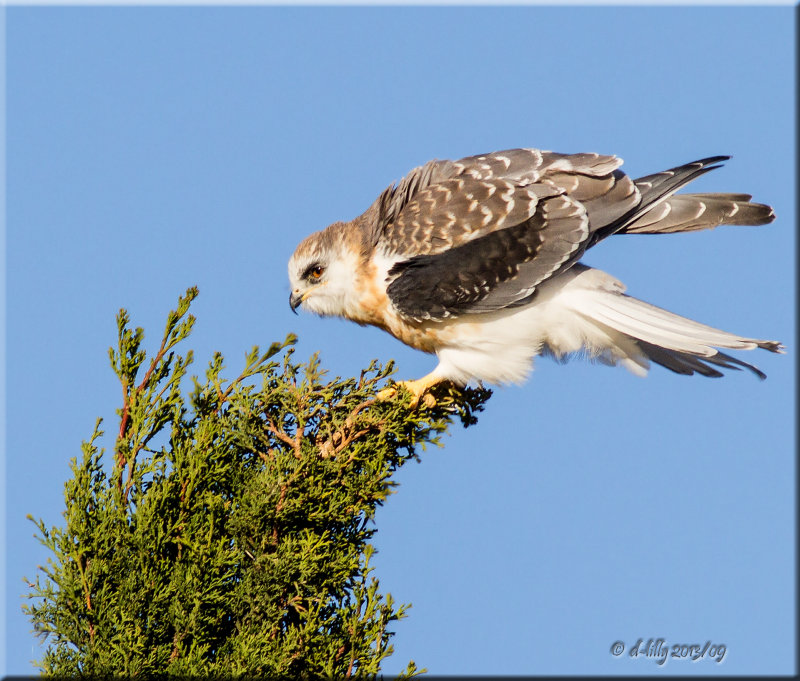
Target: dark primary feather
x=481 y=233
x=687 y=364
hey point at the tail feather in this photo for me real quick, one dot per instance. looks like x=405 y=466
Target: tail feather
x=654 y=191
x=661 y=211
x=677 y=343
x=655 y=325
x=693 y=212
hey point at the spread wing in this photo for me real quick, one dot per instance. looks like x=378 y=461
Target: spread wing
x=482 y=233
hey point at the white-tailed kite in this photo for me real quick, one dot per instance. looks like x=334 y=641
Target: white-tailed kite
x=477 y=261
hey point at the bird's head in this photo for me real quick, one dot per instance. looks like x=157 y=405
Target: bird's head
x=322 y=273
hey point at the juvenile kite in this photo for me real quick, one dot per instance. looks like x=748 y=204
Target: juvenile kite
x=477 y=261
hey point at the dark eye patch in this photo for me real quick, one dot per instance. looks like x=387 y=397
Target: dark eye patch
x=313 y=272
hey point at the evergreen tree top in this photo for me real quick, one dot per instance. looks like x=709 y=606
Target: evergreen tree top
x=231 y=533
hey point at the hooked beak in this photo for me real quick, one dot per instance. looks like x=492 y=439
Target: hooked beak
x=294 y=301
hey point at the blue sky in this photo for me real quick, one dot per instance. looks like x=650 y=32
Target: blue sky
x=150 y=149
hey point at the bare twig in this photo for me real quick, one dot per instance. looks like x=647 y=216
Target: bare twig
x=293 y=442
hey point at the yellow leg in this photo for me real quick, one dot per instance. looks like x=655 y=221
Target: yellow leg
x=417 y=388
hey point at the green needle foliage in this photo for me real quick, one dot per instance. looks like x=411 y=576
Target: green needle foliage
x=230 y=532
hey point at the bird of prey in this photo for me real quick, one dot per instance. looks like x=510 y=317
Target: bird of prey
x=477 y=261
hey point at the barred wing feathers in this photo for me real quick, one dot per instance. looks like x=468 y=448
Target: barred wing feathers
x=493 y=227
x=482 y=233
x=492 y=271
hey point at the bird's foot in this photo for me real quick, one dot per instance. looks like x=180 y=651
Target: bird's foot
x=418 y=389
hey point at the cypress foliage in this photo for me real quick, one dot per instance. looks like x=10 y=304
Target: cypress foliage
x=229 y=532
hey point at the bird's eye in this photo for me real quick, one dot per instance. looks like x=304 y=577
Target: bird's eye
x=315 y=272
